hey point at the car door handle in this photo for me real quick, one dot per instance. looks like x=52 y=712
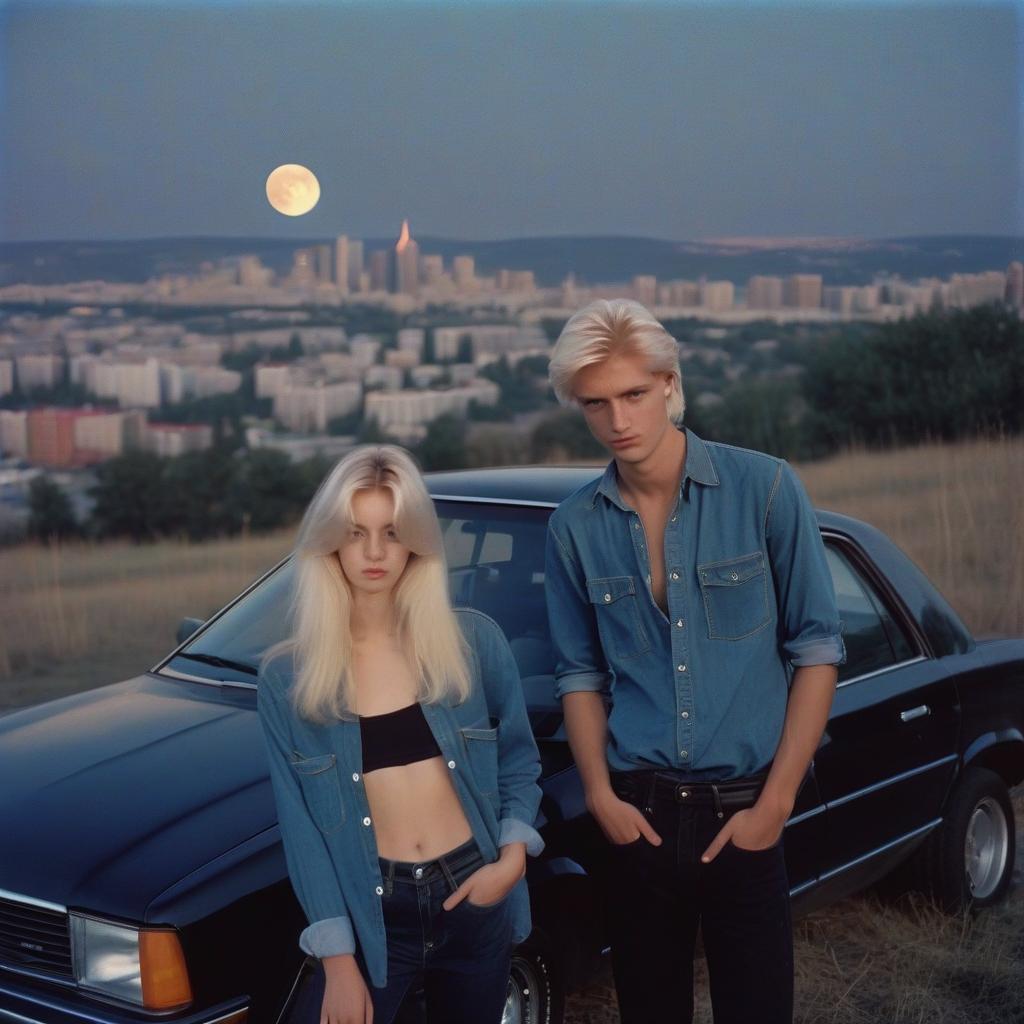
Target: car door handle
x=918 y=712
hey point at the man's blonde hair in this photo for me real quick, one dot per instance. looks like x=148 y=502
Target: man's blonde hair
x=610 y=327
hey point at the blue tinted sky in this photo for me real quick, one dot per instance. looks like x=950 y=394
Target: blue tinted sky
x=499 y=120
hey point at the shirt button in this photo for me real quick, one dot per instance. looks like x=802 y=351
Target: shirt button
x=675 y=575
x=366 y=822
x=683 y=753
x=636 y=526
x=679 y=623
x=682 y=668
x=734 y=576
x=674 y=518
x=451 y=764
x=607 y=597
x=379 y=890
x=355 y=776
x=684 y=714
x=418 y=872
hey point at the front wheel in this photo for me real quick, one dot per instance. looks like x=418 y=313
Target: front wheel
x=535 y=988
x=969 y=858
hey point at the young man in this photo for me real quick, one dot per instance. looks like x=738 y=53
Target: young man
x=696 y=631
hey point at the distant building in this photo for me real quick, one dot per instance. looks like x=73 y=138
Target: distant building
x=464 y=272
x=6 y=376
x=407 y=262
x=309 y=408
x=322 y=264
x=303 y=273
x=14 y=432
x=401 y=410
x=1014 y=293
x=364 y=349
x=252 y=273
x=380 y=270
x=717 y=295
x=967 y=290
x=341 y=264
x=412 y=339
x=105 y=435
x=679 y=293
x=270 y=378
x=432 y=266
x=645 y=289
x=355 y=265
x=39 y=371
x=214 y=380
x=764 y=292
x=171 y=439
x=803 y=291
x=386 y=378
x=138 y=384
x=51 y=437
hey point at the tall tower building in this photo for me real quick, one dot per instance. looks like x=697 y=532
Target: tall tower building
x=341 y=264
x=355 y=264
x=303 y=270
x=380 y=270
x=322 y=257
x=407 y=262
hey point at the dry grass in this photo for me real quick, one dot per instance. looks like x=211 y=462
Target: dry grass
x=957 y=510
x=78 y=615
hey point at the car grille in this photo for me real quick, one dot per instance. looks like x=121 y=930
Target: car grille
x=34 y=938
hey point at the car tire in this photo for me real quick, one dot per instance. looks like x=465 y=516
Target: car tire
x=536 y=988
x=968 y=860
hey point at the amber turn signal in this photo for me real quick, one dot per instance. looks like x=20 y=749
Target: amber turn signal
x=165 y=981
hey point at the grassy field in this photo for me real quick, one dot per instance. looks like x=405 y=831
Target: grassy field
x=78 y=616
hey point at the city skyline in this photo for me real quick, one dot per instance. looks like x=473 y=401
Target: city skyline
x=508 y=121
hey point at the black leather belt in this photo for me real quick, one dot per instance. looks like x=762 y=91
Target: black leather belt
x=649 y=789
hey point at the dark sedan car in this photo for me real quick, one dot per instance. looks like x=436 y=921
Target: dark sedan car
x=141 y=869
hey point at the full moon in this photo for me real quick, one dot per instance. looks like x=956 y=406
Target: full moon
x=292 y=189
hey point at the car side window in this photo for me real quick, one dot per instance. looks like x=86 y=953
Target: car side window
x=874 y=640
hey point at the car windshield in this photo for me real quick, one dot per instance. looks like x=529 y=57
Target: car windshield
x=495 y=564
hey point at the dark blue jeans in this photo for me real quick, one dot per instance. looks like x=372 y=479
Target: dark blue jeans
x=658 y=896
x=460 y=957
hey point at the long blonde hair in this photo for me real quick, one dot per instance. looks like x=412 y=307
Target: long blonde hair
x=321 y=603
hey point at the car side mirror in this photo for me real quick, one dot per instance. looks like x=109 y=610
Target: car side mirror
x=187 y=627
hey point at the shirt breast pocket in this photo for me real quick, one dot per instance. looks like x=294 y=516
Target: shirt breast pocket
x=318 y=778
x=481 y=743
x=735 y=593
x=618 y=618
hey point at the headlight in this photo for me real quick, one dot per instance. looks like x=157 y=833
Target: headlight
x=144 y=966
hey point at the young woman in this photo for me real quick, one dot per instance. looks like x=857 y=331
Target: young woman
x=402 y=761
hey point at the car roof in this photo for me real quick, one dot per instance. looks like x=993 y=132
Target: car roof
x=551 y=485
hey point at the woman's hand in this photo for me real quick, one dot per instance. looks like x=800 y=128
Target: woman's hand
x=491 y=883
x=346 y=997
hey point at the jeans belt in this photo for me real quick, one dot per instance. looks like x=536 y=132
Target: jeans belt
x=650 y=787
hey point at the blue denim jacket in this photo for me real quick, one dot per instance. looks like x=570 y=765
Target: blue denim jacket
x=703 y=689
x=324 y=816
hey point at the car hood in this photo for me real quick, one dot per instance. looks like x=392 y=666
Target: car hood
x=110 y=796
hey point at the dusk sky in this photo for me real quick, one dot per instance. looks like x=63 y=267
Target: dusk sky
x=498 y=120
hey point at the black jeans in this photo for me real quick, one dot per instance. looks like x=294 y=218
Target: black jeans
x=460 y=957
x=659 y=895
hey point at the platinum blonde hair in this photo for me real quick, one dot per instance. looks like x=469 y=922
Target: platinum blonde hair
x=608 y=327
x=321 y=602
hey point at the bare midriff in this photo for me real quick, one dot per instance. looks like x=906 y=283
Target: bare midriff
x=416 y=812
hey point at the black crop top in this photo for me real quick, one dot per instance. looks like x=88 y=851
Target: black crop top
x=398 y=737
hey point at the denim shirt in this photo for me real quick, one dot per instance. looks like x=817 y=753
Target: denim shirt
x=750 y=596
x=324 y=816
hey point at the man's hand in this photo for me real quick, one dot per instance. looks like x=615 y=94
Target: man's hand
x=491 y=883
x=346 y=997
x=620 y=821
x=754 y=828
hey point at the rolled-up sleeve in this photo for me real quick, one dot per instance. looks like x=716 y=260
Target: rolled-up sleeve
x=810 y=630
x=519 y=792
x=310 y=867
x=579 y=658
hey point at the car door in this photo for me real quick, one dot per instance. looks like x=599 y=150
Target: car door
x=888 y=753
